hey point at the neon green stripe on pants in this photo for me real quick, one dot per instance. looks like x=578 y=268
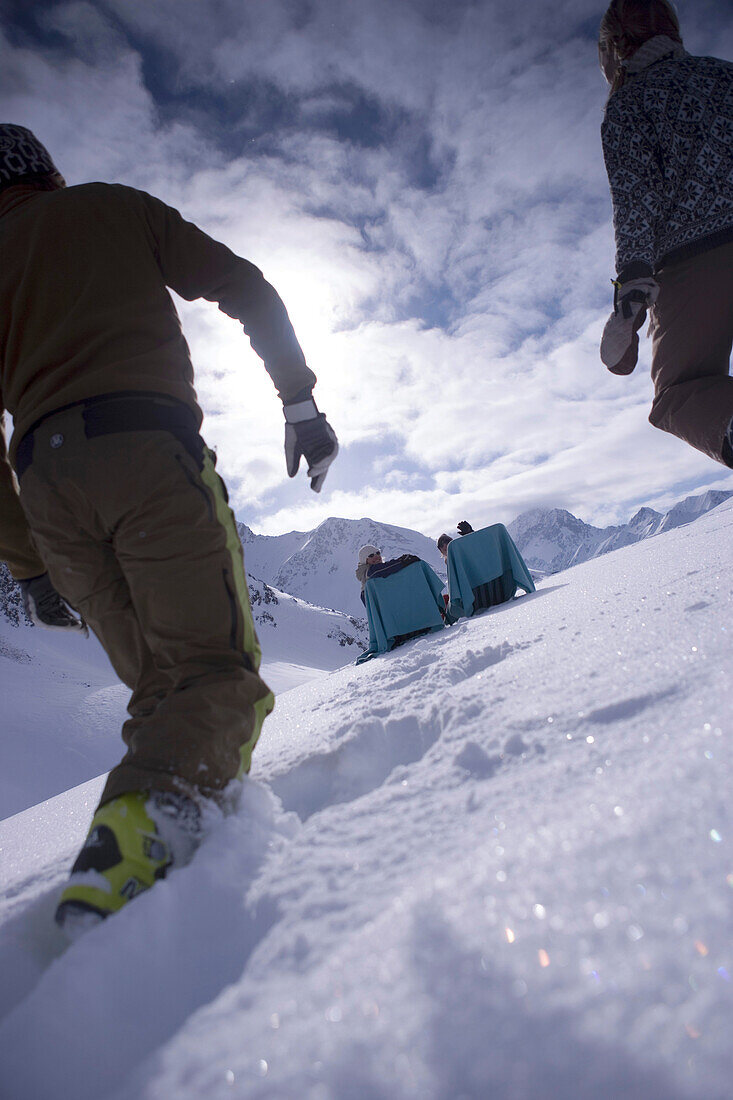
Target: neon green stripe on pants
x=225 y=516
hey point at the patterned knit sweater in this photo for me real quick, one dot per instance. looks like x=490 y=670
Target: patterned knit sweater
x=668 y=145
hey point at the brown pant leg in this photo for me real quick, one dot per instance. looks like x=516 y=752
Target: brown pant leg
x=137 y=534
x=79 y=555
x=692 y=325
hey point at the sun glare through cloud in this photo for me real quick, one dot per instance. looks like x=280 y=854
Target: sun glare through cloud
x=425 y=188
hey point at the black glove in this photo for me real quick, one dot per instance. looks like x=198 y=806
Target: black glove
x=308 y=433
x=464 y=527
x=45 y=607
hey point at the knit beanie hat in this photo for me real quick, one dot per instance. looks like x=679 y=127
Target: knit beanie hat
x=22 y=155
x=366 y=551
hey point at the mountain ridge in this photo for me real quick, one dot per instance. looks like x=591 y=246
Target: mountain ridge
x=318 y=566
x=551 y=540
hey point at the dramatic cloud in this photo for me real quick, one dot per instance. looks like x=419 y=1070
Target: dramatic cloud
x=424 y=185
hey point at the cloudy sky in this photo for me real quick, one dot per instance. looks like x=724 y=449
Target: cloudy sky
x=422 y=181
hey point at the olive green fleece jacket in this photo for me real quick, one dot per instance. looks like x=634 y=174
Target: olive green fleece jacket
x=85 y=311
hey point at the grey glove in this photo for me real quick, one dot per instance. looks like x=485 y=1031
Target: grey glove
x=45 y=607
x=620 y=340
x=308 y=434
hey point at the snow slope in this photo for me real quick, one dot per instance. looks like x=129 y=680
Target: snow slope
x=496 y=862
x=298 y=640
x=63 y=705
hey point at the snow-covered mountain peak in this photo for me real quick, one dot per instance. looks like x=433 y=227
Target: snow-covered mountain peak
x=549 y=519
x=551 y=539
x=644 y=518
x=691 y=508
x=321 y=565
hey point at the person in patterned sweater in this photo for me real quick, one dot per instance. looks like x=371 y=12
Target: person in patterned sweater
x=667 y=140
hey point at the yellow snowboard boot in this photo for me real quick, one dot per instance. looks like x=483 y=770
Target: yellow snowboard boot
x=133 y=841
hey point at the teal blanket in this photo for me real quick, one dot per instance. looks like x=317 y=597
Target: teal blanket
x=487 y=561
x=404 y=602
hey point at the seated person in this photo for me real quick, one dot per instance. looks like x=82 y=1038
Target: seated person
x=371 y=565
x=445 y=540
x=483 y=571
x=397 y=613
x=368 y=555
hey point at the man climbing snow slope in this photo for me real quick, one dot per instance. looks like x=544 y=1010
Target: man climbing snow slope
x=124 y=518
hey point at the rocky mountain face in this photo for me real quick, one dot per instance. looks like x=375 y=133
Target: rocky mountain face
x=289 y=629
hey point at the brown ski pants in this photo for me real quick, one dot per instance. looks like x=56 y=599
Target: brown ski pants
x=692 y=329
x=136 y=533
